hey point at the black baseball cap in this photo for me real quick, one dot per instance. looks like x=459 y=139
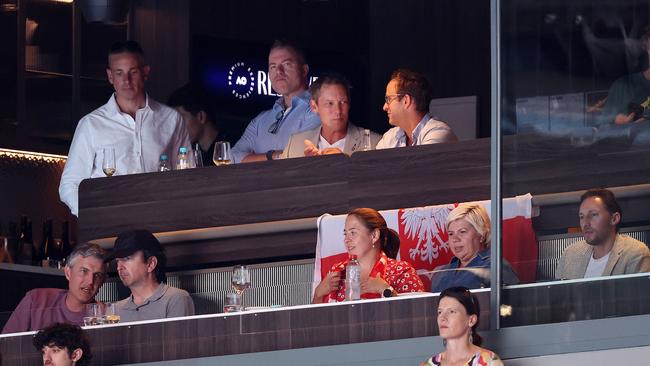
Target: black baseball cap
x=131 y=241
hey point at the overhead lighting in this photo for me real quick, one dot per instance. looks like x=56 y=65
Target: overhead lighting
x=30 y=155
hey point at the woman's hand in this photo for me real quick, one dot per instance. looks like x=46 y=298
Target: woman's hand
x=328 y=284
x=375 y=285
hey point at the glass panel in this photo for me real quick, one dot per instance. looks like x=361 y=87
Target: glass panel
x=576 y=96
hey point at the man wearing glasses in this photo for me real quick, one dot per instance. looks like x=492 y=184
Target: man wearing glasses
x=407 y=103
x=268 y=133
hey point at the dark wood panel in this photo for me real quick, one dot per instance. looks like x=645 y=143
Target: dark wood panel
x=420 y=175
x=215 y=196
x=290 y=328
x=247 y=249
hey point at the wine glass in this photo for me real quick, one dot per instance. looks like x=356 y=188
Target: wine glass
x=222 y=154
x=108 y=165
x=241 y=279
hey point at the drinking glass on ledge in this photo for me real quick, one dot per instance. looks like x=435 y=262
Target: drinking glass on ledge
x=222 y=154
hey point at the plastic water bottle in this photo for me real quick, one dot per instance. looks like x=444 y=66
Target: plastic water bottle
x=353 y=279
x=198 y=156
x=367 y=144
x=164 y=166
x=183 y=159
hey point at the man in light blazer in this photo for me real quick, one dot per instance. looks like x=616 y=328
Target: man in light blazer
x=603 y=252
x=330 y=99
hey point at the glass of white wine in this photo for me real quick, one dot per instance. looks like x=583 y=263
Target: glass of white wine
x=111 y=316
x=108 y=165
x=222 y=154
x=241 y=279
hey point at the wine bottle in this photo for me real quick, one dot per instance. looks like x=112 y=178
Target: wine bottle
x=5 y=256
x=25 y=245
x=48 y=249
x=66 y=247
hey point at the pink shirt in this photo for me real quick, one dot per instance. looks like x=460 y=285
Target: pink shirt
x=39 y=308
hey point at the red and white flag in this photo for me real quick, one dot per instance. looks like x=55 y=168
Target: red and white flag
x=423 y=238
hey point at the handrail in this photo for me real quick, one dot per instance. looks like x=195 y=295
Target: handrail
x=309 y=223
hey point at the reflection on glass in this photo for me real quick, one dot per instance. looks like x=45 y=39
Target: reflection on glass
x=576 y=115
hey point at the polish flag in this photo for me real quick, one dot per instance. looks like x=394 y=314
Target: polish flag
x=423 y=238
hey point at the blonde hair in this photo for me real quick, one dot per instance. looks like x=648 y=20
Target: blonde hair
x=476 y=216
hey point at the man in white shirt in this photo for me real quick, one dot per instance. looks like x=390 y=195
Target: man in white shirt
x=330 y=99
x=138 y=128
x=408 y=94
x=603 y=252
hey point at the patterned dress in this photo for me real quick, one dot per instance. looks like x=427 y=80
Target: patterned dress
x=482 y=358
x=399 y=275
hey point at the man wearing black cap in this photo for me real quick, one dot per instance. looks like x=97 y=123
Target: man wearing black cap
x=141 y=265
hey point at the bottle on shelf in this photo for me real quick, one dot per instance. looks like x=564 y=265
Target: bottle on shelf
x=25 y=242
x=12 y=241
x=66 y=247
x=183 y=159
x=353 y=279
x=5 y=255
x=164 y=165
x=49 y=249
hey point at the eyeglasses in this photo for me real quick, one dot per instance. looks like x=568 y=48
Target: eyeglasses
x=390 y=98
x=278 y=121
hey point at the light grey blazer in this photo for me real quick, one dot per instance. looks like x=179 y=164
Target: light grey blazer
x=628 y=255
x=353 y=141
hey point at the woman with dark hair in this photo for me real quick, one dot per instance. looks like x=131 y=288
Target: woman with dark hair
x=376 y=246
x=458 y=316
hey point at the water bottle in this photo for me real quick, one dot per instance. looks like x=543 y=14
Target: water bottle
x=367 y=144
x=198 y=156
x=183 y=159
x=353 y=279
x=164 y=166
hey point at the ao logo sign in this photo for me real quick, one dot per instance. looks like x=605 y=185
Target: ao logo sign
x=243 y=82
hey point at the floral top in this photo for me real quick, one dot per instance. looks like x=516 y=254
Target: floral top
x=400 y=275
x=482 y=358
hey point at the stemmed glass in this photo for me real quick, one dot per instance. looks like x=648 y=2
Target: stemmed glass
x=108 y=165
x=222 y=154
x=241 y=279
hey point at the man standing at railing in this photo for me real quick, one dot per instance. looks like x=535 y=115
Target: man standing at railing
x=603 y=252
x=268 y=133
x=406 y=103
x=136 y=127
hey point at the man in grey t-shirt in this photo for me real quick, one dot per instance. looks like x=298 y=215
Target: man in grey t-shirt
x=141 y=265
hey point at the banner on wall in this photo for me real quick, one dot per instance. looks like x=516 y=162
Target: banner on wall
x=423 y=238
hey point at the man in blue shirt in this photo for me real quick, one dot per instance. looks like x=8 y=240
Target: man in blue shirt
x=268 y=133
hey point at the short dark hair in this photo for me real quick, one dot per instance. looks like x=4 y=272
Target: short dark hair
x=415 y=85
x=161 y=266
x=128 y=47
x=68 y=336
x=329 y=79
x=193 y=99
x=469 y=301
x=608 y=198
x=286 y=43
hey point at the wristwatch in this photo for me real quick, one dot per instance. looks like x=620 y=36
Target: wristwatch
x=269 y=155
x=388 y=292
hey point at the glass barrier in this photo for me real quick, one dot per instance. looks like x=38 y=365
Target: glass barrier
x=575 y=91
